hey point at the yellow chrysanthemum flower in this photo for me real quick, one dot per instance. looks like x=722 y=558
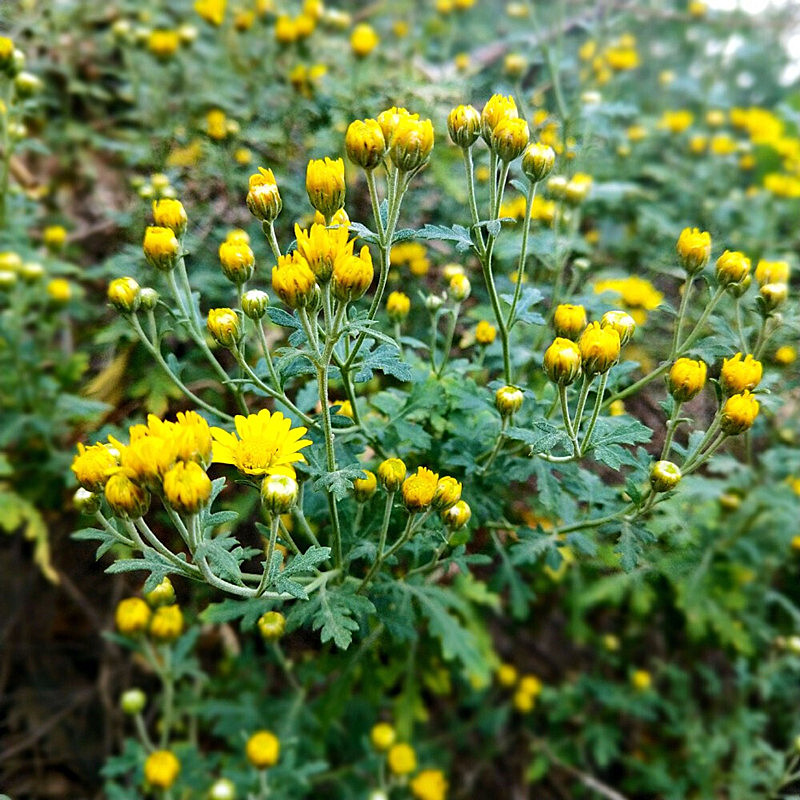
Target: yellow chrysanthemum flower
x=419 y=489
x=321 y=246
x=430 y=784
x=266 y=445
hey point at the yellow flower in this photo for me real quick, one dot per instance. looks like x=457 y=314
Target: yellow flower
x=279 y=494
x=637 y=294
x=686 y=379
x=364 y=488
x=382 y=736
x=622 y=58
x=617 y=408
x=523 y=702
x=514 y=64
x=293 y=280
x=531 y=684
x=562 y=361
x=676 y=121
x=170 y=213
x=6 y=52
x=447 y=494
x=485 y=333
x=772 y=272
x=161 y=769
x=397 y=306
x=389 y=120
x=238 y=261
x=577 y=188
x=464 y=125
x=636 y=133
x=132 y=616
x=263 y=749
x=187 y=488
x=166 y=624
x=345 y=409
x=123 y=294
x=509 y=138
x=163 y=44
x=216 y=124
x=785 y=355
x=497 y=108
x=212 y=11
x=537 y=161
x=285 y=30
x=641 y=680
x=352 y=275
x=263 y=197
x=459 y=287
x=321 y=246
x=506 y=675
x=569 y=320
x=457 y=516
x=325 y=185
x=59 y=291
x=267 y=444
x=624 y=324
x=739 y=413
x=391 y=473
x=401 y=759
x=364 y=143
x=737 y=374
x=664 y=476
x=774 y=294
x=508 y=400
x=599 y=348
x=732 y=267
x=223 y=325
x=697 y=8
x=411 y=143
x=694 y=249
x=126 y=498
x=162 y=595
x=271 y=625
x=92 y=466
x=54 y=237
x=363 y=40
x=161 y=247
x=419 y=489
x=430 y=784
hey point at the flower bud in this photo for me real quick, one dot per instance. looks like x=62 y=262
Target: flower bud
x=187 y=487
x=263 y=749
x=510 y=138
x=401 y=759
x=365 y=144
x=222 y=789
x=382 y=736
x=132 y=616
x=7 y=279
x=557 y=186
x=774 y=295
x=508 y=400
x=411 y=144
x=86 y=502
x=732 y=267
x=457 y=516
x=622 y=322
x=569 y=320
x=223 y=325
x=364 y=488
x=459 y=288
x=6 y=54
x=686 y=379
x=737 y=375
x=664 y=476
x=739 y=413
x=162 y=595
x=447 y=494
x=363 y=40
x=31 y=272
x=694 y=249
x=772 y=272
x=26 y=85
x=562 y=361
x=464 y=126
x=148 y=298
x=271 y=626
x=126 y=499
x=397 y=306
x=124 y=295
x=168 y=213
x=255 y=303
x=433 y=302
x=133 y=701
x=278 y=493
x=641 y=680
x=325 y=185
x=497 y=108
x=166 y=624
x=238 y=261
x=59 y=291
x=599 y=348
x=263 y=197
x=161 y=248
x=293 y=281
x=538 y=161
x=352 y=275
x=391 y=474
x=389 y=120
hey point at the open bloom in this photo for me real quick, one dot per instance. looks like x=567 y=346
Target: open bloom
x=266 y=444
x=738 y=374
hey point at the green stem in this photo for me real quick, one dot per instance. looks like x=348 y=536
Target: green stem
x=379 y=553
x=269 y=232
x=598 y=404
x=501 y=436
x=274 y=524
x=582 y=397
x=562 y=397
x=676 y=336
x=672 y=426
x=523 y=254
x=448 y=341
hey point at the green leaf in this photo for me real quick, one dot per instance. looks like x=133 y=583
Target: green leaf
x=630 y=543
x=339 y=482
x=332 y=612
x=458 y=234
x=386 y=359
x=532 y=546
x=542 y=438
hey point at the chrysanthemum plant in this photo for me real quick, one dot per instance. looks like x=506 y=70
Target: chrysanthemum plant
x=546 y=412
